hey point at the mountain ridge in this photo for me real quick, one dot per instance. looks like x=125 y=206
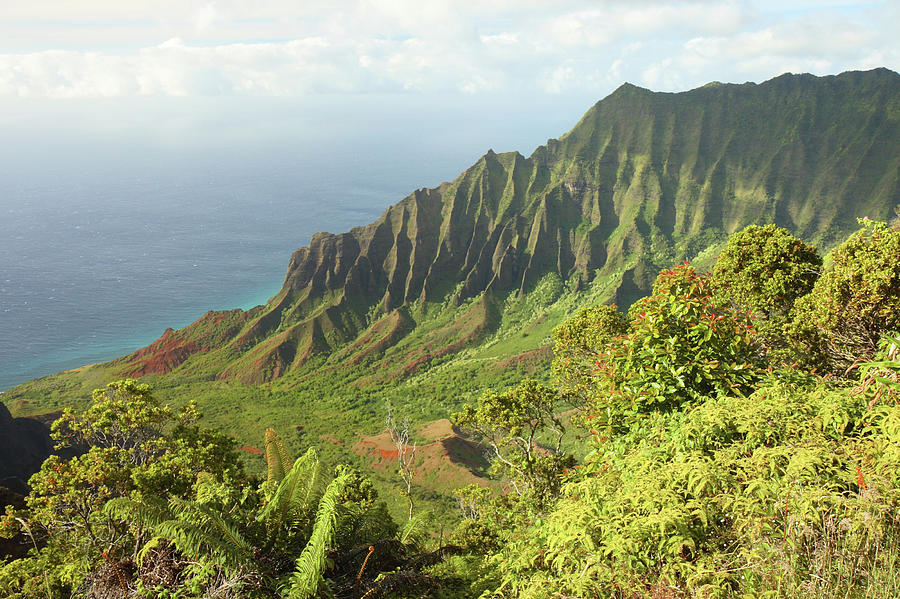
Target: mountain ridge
x=644 y=179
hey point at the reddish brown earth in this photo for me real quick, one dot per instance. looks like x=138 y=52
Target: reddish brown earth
x=448 y=462
x=531 y=360
x=162 y=356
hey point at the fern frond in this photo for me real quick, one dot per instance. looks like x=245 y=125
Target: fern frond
x=197 y=530
x=414 y=529
x=145 y=515
x=205 y=532
x=311 y=563
x=295 y=494
x=277 y=457
x=315 y=485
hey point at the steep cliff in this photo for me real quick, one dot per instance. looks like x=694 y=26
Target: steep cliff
x=643 y=180
x=24 y=445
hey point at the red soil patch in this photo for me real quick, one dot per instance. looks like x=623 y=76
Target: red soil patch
x=250 y=449
x=163 y=355
x=448 y=462
x=331 y=439
x=529 y=360
x=387 y=454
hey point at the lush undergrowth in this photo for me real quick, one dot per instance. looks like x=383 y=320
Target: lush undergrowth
x=736 y=434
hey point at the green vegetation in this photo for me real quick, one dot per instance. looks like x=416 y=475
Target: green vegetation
x=713 y=473
x=714 y=468
x=854 y=301
x=155 y=507
x=643 y=181
x=765 y=269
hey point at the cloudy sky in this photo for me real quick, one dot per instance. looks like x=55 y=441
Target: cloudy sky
x=130 y=48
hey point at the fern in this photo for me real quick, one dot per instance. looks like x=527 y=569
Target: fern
x=295 y=495
x=145 y=515
x=197 y=530
x=311 y=563
x=277 y=457
x=883 y=374
x=414 y=529
x=200 y=530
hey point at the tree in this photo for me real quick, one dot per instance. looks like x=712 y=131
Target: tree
x=280 y=538
x=765 y=269
x=578 y=343
x=406 y=454
x=853 y=304
x=683 y=345
x=512 y=422
x=131 y=446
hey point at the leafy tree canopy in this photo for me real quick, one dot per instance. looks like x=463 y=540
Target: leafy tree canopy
x=765 y=269
x=683 y=345
x=854 y=303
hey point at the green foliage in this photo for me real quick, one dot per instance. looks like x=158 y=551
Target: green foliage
x=251 y=538
x=682 y=346
x=511 y=422
x=198 y=530
x=312 y=562
x=714 y=475
x=131 y=447
x=854 y=303
x=578 y=343
x=710 y=475
x=115 y=517
x=296 y=493
x=709 y=499
x=277 y=457
x=489 y=520
x=764 y=270
x=880 y=378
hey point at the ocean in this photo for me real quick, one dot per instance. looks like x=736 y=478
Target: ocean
x=119 y=219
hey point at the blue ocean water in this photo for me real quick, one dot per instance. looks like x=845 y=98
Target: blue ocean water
x=118 y=221
x=90 y=273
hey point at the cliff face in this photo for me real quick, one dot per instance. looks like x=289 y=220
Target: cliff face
x=24 y=445
x=643 y=180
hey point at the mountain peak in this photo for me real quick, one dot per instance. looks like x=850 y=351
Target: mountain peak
x=643 y=180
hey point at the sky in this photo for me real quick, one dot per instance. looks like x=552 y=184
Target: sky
x=305 y=48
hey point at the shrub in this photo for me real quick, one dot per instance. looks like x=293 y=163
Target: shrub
x=577 y=344
x=683 y=345
x=765 y=270
x=854 y=303
x=732 y=497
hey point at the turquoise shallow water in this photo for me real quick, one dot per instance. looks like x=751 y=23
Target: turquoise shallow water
x=115 y=225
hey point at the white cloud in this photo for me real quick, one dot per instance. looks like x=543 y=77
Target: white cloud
x=205 y=17
x=281 y=47
x=820 y=43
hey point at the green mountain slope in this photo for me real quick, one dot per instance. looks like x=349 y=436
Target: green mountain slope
x=456 y=288
x=643 y=180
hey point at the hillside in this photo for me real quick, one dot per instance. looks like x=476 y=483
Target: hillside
x=644 y=180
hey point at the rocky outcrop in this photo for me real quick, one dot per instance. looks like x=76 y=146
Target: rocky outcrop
x=24 y=445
